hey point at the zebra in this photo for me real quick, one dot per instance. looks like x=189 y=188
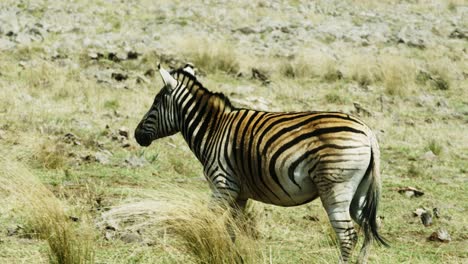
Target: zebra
x=279 y=158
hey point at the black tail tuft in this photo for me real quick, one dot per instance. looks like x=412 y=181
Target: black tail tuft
x=369 y=212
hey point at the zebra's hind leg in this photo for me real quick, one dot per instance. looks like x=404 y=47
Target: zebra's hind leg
x=336 y=199
x=356 y=208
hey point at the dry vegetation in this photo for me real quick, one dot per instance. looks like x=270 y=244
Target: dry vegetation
x=76 y=77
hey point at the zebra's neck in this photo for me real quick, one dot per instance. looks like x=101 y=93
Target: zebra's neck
x=199 y=113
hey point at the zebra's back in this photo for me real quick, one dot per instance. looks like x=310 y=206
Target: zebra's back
x=279 y=158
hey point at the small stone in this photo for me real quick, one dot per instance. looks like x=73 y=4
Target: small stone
x=103 y=157
x=149 y=73
x=13 y=230
x=410 y=191
x=459 y=34
x=132 y=55
x=260 y=75
x=247 y=30
x=119 y=76
x=134 y=161
x=74 y=218
x=429 y=155
x=95 y=55
x=419 y=211
x=426 y=219
x=109 y=235
x=130 y=238
x=436 y=212
x=440 y=235
x=311 y=218
x=71 y=138
x=123 y=131
x=113 y=56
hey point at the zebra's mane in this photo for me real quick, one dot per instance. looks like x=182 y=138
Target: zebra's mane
x=179 y=73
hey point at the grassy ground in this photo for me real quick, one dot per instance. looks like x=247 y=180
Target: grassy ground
x=64 y=110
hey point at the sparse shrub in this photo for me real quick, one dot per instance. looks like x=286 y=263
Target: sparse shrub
x=414 y=170
x=44 y=215
x=332 y=74
x=206 y=235
x=334 y=98
x=398 y=75
x=435 y=80
x=111 y=104
x=440 y=83
x=212 y=56
x=203 y=231
x=361 y=69
x=51 y=155
x=435 y=147
x=452 y=6
x=296 y=69
x=310 y=64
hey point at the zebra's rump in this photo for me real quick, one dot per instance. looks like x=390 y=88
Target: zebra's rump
x=280 y=156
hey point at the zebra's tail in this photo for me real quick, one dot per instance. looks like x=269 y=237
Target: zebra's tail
x=368 y=215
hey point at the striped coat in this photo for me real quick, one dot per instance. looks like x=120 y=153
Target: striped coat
x=284 y=159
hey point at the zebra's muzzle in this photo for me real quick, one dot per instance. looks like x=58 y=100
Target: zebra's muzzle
x=142 y=138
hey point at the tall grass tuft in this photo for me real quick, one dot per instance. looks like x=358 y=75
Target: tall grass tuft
x=212 y=56
x=207 y=235
x=200 y=231
x=44 y=215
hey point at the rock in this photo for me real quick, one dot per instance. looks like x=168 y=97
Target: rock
x=123 y=131
x=426 y=219
x=13 y=230
x=119 y=76
x=149 y=73
x=103 y=157
x=109 y=235
x=74 y=218
x=413 y=37
x=71 y=138
x=429 y=155
x=6 y=44
x=130 y=238
x=361 y=111
x=436 y=212
x=459 y=34
x=440 y=235
x=311 y=218
x=134 y=161
x=410 y=191
x=418 y=212
x=95 y=55
x=2 y=134
x=258 y=103
x=247 y=30
x=132 y=55
x=260 y=75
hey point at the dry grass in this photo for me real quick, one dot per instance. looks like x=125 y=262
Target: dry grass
x=44 y=215
x=200 y=232
x=206 y=235
x=398 y=75
x=210 y=56
x=309 y=63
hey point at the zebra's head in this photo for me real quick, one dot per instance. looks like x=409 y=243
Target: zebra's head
x=160 y=120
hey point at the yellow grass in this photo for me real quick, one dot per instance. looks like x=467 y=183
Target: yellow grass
x=45 y=216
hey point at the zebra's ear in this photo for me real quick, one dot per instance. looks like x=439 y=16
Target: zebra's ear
x=169 y=81
x=189 y=68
